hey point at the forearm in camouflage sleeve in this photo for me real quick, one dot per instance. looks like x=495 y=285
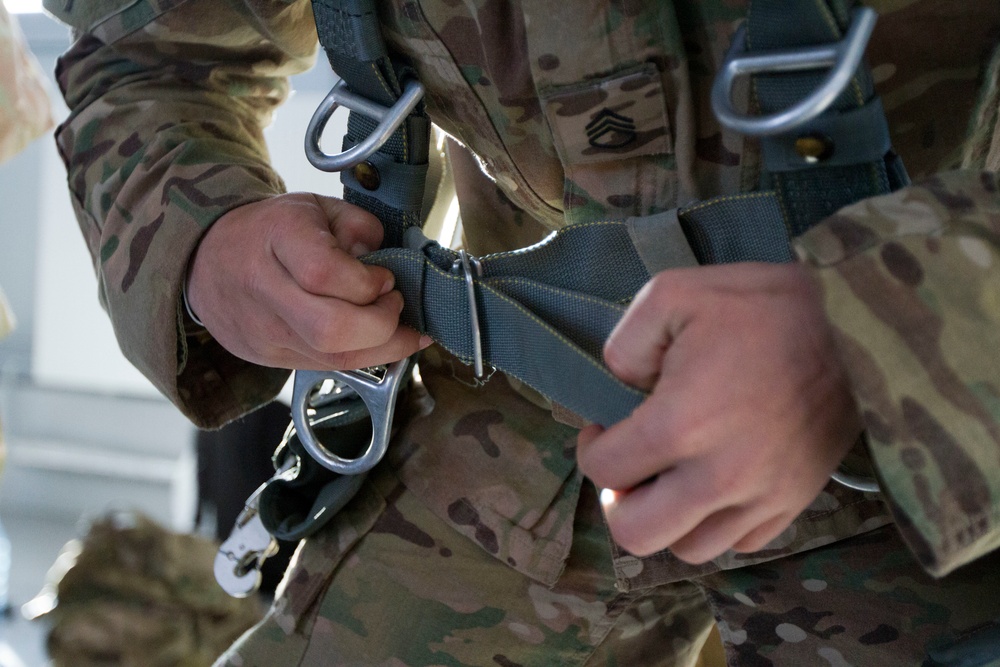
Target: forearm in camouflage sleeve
x=164 y=136
x=912 y=289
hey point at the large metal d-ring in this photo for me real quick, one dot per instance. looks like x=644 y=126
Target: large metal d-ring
x=379 y=396
x=842 y=58
x=389 y=119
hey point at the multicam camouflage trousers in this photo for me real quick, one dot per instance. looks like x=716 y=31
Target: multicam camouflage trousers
x=390 y=584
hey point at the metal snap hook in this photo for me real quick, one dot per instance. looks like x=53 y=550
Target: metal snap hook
x=842 y=58
x=240 y=558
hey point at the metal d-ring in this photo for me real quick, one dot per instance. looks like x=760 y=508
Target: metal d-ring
x=842 y=58
x=379 y=396
x=467 y=263
x=389 y=119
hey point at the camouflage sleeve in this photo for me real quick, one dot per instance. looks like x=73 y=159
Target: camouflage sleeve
x=912 y=289
x=167 y=102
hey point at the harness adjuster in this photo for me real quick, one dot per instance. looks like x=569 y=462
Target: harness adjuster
x=841 y=58
x=466 y=263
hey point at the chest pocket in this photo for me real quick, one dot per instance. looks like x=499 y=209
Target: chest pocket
x=572 y=129
x=612 y=90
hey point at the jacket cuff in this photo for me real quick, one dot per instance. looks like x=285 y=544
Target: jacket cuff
x=909 y=282
x=207 y=383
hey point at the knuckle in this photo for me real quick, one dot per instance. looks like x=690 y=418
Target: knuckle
x=315 y=276
x=321 y=333
x=253 y=282
x=651 y=435
x=661 y=282
x=280 y=228
x=655 y=439
x=729 y=477
x=666 y=286
x=683 y=428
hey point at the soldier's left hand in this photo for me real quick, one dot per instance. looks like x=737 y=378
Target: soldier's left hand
x=748 y=414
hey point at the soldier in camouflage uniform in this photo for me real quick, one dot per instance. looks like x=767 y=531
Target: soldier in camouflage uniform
x=478 y=540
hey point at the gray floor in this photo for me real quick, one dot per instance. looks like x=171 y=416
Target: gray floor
x=35 y=543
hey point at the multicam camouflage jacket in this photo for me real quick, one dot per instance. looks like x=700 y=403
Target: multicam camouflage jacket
x=167 y=102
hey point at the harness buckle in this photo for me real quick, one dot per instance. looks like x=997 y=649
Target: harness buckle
x=390 y=118
x=467 y=263
x=379 y=395
x=842 y=58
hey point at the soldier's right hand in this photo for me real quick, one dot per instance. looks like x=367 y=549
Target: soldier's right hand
x=278 y=283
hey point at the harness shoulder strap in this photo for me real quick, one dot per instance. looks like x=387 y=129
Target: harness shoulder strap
x=390 y=182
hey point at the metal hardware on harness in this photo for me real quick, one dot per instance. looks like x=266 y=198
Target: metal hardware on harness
x=842 y=58
x=239 y=559
x=466 y=263
x=379 y=396
x=856 y=482
x=390 y=118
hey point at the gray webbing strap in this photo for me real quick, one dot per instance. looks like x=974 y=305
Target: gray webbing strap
x=350 y=33
x=661 y=242
x=854 y=127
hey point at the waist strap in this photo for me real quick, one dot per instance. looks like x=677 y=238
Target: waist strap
x=544 y=312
